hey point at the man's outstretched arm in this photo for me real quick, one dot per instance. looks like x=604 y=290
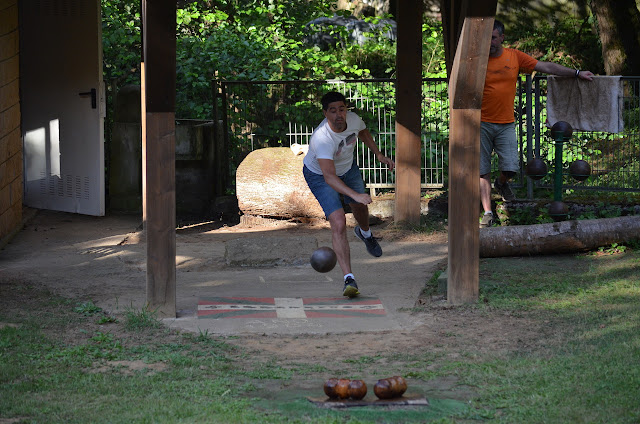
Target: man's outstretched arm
x=562 y=71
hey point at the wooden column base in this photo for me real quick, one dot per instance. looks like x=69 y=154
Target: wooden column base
x=161 y=213
x=464 y=197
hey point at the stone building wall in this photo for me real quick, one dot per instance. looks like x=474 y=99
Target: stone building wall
x=11 y=186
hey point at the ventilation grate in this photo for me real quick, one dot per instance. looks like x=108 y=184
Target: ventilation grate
x=71 y=186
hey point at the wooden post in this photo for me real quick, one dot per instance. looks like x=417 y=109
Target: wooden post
x=218 y=189
x=466 y=85
x=159 y=54
x=452 y=19
x=143 y=118
x=143 y=127
x=408 y=105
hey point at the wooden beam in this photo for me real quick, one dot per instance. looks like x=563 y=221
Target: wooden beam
x=143 y=117
x=464 y=197
x=159 y=58
x=451 y=27
x=408 y=107
x=465 y=98
x=453 y=14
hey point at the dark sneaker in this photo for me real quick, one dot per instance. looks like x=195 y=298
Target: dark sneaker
x=372 y=244
x=504 y=190
x=350 y=288
x=487 y=220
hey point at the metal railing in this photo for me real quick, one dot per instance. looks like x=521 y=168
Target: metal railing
x=283 y=113
x=614 y=158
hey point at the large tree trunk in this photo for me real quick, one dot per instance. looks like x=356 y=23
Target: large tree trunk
x=558 y=237
x=619 y=29
x=269 y=183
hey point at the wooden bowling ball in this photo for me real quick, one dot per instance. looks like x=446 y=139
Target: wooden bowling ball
x=536 y=169
x=401 y=383
x=580 y=170
x=323 y=259
x=342 y=388
x=395 y=386
x=357 y=389
x=330 y=388
x=382 y=389
x=558 y=210
x=561 y=129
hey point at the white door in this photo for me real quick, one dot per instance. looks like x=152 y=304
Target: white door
x=62 y=105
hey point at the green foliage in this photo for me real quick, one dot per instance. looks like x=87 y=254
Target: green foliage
x=252 y=40
x=87 y=308
x=121 y=41
x=106 y=320
x=141 y=319
x=523 y=216
x=613 y=249
x=569 y=41
x=433 y=60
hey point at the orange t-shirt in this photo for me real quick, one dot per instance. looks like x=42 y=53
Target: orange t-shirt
x=500 y=84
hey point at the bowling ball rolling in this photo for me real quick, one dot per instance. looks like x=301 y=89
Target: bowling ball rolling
x=323 y=259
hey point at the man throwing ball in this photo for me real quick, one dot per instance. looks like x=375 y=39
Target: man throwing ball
x=330 y=170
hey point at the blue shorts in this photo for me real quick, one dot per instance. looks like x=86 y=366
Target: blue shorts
x=328 y=198
x=502 y=139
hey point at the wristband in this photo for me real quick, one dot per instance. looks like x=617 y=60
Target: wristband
x=577 y=73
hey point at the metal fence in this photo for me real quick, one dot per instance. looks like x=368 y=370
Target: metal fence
x=283 y=113
x=614 y=158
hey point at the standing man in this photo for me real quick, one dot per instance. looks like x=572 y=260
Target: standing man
x=330 y=170
x=497 y=131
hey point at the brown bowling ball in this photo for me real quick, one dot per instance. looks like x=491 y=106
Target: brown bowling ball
x=330 y=388
x=402 y=384
x=561 y=129
x=382 y=389
x=395 y=386
x=342 y=388
x=558 y=211
x=580 y=170
x=357 y=389
x=536 y=169
x=323 y=259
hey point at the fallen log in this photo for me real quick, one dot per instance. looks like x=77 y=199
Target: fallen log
x=558 y=237
x=269 y=183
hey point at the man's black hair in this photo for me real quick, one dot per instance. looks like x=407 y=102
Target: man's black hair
x=499 y=26
x=330 y=97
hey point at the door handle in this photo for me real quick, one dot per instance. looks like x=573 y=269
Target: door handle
x=93 y=95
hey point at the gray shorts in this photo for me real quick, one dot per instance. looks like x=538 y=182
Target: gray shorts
x=502 y=139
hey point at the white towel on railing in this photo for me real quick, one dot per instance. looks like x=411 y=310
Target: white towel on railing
x=586 y=105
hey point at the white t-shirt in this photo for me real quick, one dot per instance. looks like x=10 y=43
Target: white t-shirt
x=326 y=144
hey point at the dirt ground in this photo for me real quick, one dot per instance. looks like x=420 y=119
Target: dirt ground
x=443 y=330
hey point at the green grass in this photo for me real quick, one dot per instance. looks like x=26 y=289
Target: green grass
x=592 y=304
x=59 y=364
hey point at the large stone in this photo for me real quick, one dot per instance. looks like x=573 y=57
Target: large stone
x=270 y=183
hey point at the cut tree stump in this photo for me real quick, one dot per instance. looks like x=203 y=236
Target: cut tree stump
x=558 y=237
x=269 y=183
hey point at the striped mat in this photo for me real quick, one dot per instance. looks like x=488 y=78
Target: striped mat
x=289 y=307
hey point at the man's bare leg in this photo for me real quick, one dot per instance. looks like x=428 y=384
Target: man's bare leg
x=485 y=192
x=361 y=214
x=338 y=222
